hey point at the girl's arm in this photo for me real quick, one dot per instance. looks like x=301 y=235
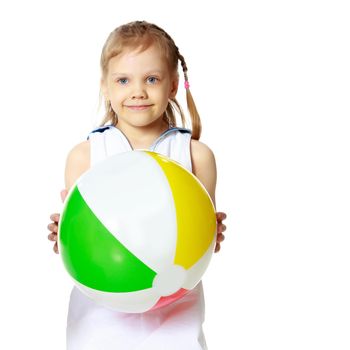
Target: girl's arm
x=78 y=161
x=204 y=167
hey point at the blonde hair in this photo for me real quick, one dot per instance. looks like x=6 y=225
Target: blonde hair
x=143 y=34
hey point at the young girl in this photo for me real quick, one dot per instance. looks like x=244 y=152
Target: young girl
x=139 y=82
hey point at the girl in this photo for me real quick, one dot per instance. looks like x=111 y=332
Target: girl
x=139 y=82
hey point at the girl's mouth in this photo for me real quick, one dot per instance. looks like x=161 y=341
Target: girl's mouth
x=139 y=108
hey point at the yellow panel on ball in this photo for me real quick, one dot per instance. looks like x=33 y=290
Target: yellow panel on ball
x=195 y=213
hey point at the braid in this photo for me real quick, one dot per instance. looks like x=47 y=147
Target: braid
x=195 y=119
x=183 y=64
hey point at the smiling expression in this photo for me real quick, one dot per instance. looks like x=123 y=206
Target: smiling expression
x=139 y=86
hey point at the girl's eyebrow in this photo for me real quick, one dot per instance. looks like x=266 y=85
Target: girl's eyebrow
x=155 y=71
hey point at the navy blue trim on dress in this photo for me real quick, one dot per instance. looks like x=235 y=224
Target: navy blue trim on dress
x=102 y=129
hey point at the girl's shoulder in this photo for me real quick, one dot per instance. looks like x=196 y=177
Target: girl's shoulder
x=200 y=152
x=80 y=151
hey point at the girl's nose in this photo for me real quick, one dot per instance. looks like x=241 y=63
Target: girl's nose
x=139 y=93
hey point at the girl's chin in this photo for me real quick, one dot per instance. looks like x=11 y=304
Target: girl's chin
x=143 y=123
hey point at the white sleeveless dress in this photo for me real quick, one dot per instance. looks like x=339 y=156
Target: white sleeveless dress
x=177 y=326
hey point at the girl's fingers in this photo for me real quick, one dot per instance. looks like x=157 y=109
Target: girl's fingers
x=220 y=237
x=52 y=237
x=220 y=216
x=55 y=248
x=221 y=227
x=55 y=217
x=217 y=247
x=52 y=227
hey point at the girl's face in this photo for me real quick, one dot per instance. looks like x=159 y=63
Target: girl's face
x=139 y=85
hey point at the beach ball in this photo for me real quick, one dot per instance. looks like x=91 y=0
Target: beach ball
x=137 y=231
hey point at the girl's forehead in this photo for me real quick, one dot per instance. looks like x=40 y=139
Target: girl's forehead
x=132 y=56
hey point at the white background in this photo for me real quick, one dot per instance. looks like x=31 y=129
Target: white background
x=271 y=80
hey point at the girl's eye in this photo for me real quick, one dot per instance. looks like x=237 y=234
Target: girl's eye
x=152 y=80
x=122 y=81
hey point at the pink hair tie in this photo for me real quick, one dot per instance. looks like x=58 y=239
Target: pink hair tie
x=187 y=85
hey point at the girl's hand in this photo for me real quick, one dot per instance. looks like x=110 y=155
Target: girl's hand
x=53 y=226
x=220 y=229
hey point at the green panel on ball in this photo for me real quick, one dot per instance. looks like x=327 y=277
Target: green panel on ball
x=93 y=256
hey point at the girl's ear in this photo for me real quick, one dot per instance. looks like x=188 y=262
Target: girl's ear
x=174 y=86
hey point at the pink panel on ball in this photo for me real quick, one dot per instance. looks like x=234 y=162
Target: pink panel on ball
x=163 y=301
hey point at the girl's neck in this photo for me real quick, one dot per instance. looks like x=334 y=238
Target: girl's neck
x=143 y=137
